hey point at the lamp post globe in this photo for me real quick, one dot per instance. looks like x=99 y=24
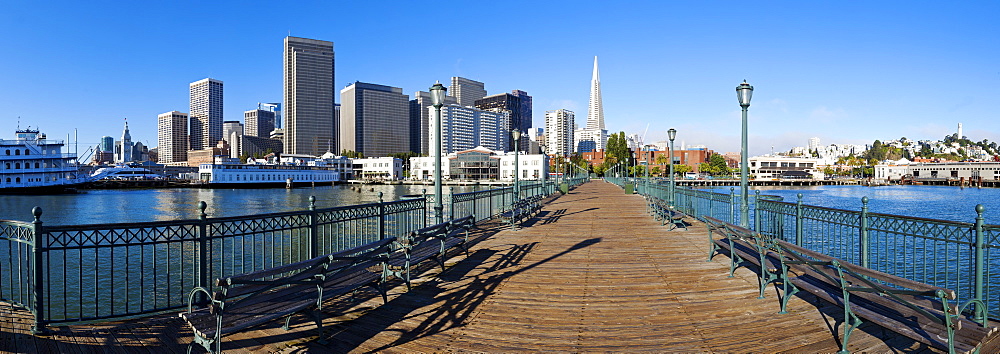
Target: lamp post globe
x=437 y=100
x=671 y=134
x=743 y=92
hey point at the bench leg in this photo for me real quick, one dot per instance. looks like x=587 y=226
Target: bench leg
x=734 y=258
x=712 y=248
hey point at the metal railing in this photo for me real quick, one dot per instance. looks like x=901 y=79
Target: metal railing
x=80 y=273
x=950 y=254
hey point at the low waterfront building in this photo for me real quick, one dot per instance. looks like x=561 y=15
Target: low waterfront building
x=784 y=167
x=295 y=169
x=969 y=171
x=480 y=164
x=378 y=168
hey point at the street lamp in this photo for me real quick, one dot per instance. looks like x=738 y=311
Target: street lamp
x=545 y=166
x=645 y=187
x=743 y=92
x=671 y=134
x=516 y=134
x=437 y=100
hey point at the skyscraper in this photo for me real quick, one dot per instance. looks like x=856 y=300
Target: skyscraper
x=595 y=136
x=206 y=113
x=595 y=112
x=309 y=121
x=559 y=132
x=518 y=106
x=258 y=122
x=466 y=91
x=465 y=128
x=172 y=136
x=374 y=119
x=420 y=128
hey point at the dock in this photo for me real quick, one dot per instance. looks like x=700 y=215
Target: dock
x=592 y=272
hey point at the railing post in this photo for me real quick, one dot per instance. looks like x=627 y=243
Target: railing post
x=39 y=247
x=798 y=221
x=381 y=217
x=864 y=232
x=203 y=257
x=756 y=210
x=451 y=197
x=424 y=192
x=313 y=229
x=732 y=205
x=980 y=263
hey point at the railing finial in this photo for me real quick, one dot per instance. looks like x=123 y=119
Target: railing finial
x=202 y=205
x=37 y=213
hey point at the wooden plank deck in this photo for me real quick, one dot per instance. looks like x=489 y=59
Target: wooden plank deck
x=592 y=272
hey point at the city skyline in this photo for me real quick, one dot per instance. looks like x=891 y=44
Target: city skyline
x=847 y=73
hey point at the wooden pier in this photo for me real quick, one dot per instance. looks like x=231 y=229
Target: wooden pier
x=591 y=273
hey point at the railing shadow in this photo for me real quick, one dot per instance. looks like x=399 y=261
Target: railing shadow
x=449 y=307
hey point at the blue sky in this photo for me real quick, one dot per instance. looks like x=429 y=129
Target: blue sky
x=847 y=72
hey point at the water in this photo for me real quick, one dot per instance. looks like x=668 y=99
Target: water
x=933 y=202
x=141 y=205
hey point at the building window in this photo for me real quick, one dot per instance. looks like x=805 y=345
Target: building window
x=17 y=152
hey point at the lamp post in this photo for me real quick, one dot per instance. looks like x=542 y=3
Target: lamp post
x=545 y=166
x=671 y=134
x=516 y=134
x=743 y=92
x=437 y=100
x=645 y=187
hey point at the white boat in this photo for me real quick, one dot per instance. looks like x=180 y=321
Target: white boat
x=32 y=164
x=124 y=173
x=288 y=170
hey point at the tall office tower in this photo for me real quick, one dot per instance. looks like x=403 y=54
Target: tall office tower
x=272 y=107
x=518 y=105
x=465 y=128
x=172 y=136
x=559 y=132
x=594 y=137
x=258 y=122
x=595 y=113
x=125 y=155
x=107 y=144
x=466 y=91
x=420 y=129
x=206 y=113
x=309 y=117
x=374 y=119
x=232 y=130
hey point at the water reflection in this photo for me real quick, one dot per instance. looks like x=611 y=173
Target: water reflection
x=934 y=202
x=140 y=205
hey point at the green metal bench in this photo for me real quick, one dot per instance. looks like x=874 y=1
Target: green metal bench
x=259 y=297
x=925 y=313
x=432 y=242
x=745 y=246
x=666 y=213
x=521 y=210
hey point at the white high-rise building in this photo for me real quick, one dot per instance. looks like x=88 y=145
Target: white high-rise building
x=466 y=91
x=206 y=113
x=595 y=136
x=465 y=128
x=420 y=117
x=309 y=119
x=172 y=137
x=559 y=132
x=813 y=143
x=125 y=155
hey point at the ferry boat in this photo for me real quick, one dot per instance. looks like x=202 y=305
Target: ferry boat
x=124 y=172
x=287 y=171
x=33 y=164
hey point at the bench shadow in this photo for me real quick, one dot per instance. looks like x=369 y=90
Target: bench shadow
x=446 y=307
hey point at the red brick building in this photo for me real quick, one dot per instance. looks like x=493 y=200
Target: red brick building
x=693 y=158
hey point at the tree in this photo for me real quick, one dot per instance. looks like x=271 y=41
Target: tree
x=662 y=159
x=682 y=169
x=617 y=149
x=352 y=154
x=655 y=171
